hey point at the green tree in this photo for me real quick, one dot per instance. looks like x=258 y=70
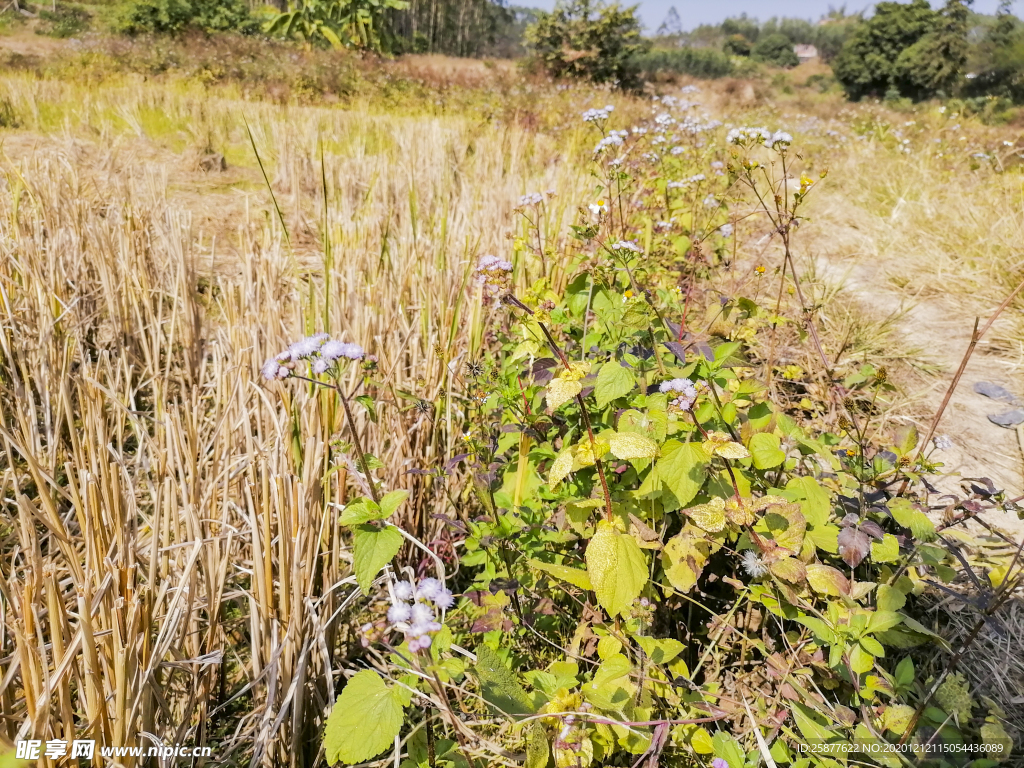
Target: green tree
x=867 y=63
x=998 y=59
x=934 y=65
x=775 y=49
x=587 y=40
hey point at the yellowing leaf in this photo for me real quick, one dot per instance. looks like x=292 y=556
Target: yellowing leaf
x=617 y=568
x=561 y=391
x=684 y=558
x=574 y=576
x=789 y=569
x=630 y=445
x=720 y=444
x=560 y=467
x=709 y=517
x=826 y=580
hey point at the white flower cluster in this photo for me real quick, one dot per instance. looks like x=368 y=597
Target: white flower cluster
x=320 y=351
x=412 y=610
x=689 y=89
x=626 y=245
x=710 y=201
x=593 y=115
x=613 y=139
x=748 y=135
x=533 y=198
x=683 y=389
x=943 y=442
x=777 y=140
x=725 y=230
x=664 y=119
x=753 y=564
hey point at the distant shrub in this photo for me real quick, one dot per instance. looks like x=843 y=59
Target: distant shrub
x=65 y=21
x=775 y=49
x=172 y=16
x=587 y=40
x=737 y=45
x=705 y=63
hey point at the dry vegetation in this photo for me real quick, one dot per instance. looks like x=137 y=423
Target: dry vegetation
x=171 y=562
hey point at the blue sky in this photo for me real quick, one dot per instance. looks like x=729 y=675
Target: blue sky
x=696 y=12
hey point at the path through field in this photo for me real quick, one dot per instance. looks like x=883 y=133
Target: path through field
x=943 y=332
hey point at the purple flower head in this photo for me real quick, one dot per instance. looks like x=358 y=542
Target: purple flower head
x=399 y=612
x=429 y=589
x=422 y=614
x=269 y=369
x=321 y=365
x=307 y=346
x=332 y=350
x=352 y=351
x=444 y=600
x=718 y=762
x=403 y=590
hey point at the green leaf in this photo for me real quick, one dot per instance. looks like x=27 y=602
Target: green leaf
x=727 y=748
x=904 y=512
x=613 y=381
x=373 y=548
x=861 y=660
x=879 y=621
x=765 y=450
x=498 y=685
x=889 y=598
x=391 y=502
x=905 y=672
x=367 y=402
x=574 y=576
x=660 y=651
x=820 y=628
x=617 y=568
x=887 y=550
x=815 y=501
x=682 y=471
x=364 y=722
x=358 y=512
x=872 y=646
x=537 y=750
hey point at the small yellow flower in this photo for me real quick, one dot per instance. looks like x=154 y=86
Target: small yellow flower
x=467 y=436
x=629 y=294
x=759 y=269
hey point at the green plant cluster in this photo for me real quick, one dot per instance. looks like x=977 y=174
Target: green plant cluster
x=137 y=17
x=704 y=63
x=656 y=558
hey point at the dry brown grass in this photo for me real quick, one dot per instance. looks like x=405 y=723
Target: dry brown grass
x=172 y=564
